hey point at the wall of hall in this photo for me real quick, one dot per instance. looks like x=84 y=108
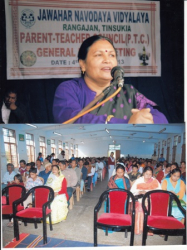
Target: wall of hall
x=100 y=148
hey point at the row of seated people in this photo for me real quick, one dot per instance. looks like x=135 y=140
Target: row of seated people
x=139 y=184
x=64 y=177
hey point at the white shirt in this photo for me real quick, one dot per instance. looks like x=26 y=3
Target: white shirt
x=99 y=165
x=92 y=172
x=8 y=177
x=5 y=113
x=60 y=157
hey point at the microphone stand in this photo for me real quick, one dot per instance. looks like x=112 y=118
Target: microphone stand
x=88 y=108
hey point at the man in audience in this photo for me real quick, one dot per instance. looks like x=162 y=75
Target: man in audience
x=11 y=110
x=99 y=167
x=70 y=176
x=39 y=166
x=77 y=171
x=45 y=173
x=61 y=156
x=111 y=164
x=55 y=162
x=9 y=175
x=90 y=173
x=161 y=159
x=84 y=172
x=22 y=168
x=52 y=157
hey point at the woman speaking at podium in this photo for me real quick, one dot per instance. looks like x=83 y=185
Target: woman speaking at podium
x=97 y=57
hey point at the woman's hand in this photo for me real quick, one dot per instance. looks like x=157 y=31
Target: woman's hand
x=141 y=116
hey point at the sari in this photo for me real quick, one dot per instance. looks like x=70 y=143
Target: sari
x=140 y=185
x=59 y=205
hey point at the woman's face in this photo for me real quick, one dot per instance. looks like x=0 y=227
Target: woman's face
x=134 y=170
x=175 y=176
x=16 y=180
x=101 y=58
x=120 y=173
x=147 y=175
x=28 y=168
x=55 y=171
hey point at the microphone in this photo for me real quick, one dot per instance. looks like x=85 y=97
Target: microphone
x=118 y=73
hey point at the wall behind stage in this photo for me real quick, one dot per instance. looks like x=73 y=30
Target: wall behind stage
x=167 y=91
x=100 y=148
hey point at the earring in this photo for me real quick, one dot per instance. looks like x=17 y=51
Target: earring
x=82 y=72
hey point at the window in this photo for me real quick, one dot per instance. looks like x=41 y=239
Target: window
x=30 y=147
x=175 y=140
x=53 y=146
x=42 y=146
x=168 y=142
x=59 y=146
x=9 y=137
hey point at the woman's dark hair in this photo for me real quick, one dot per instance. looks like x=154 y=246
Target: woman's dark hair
x=23 y=161
x=176 y=164
x=119 y=166
x=84 y=48
x=86 y=163
x=148 y=169
x=19 y=177
x=55 y=166
x=168 y=165
x=33 y=170
x=158 y=165
x=175 y=170
x=135 y=166
x=32 y=164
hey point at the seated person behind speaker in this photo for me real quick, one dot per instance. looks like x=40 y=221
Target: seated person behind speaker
x=134 y=174
x=97 y=56
x=119 y=180
x=77 y=171
x=8 y=176
x=70 y=176
x=11 y=110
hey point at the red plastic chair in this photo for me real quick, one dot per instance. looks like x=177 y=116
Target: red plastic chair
x=42 y=196
x=11 y=194
x=117 y=200
x=157 y=215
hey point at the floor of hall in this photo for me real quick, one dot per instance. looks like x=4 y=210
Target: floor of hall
x=79 y=225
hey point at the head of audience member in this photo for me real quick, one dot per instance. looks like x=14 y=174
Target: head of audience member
x=40 y=155
x=134 y=169
x=175 y=174
x=161 y=156
x=80 y=163
x=63 y=153
x=165 y=163
x=167 y=168
x=93 y=161
x=73 y=164
x=55 y=161
x=56 y=170
x=183 y=167
x=28 y=167
x=53 y=155
x=173 y=166
x=120 y=171
x=33 y=165
x=33 y=173
x=62 y=165
x=18 y=179
x=48 y=167
x=22 y=164
x=86 y=164
x=38 y=164
x=159 y=166
x=147 y=173
x=10 y=99
x=67 y=163
x=149 y=163
x=10 y=167
x=134 y=162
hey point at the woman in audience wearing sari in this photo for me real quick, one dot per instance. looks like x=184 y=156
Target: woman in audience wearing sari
x=177 y=186
x=140 y=187
x=59 y=205
x=119 y=180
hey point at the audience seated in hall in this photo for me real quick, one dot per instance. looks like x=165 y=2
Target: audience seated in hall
x=163 y=173
x=84 y=172
x=183 y=170
x=26 y=173
x=77 y=171
x=134 y=174
x=99 y=167
x=55 y=162
x=90 y=174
